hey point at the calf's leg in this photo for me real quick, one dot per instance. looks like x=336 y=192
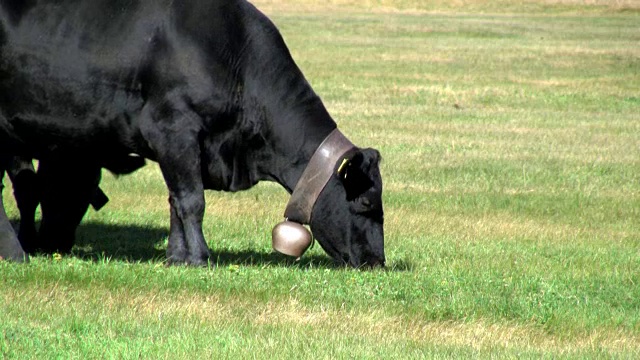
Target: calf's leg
x=26 y=192
x=68 y=185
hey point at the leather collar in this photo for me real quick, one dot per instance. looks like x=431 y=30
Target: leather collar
x=316 y=175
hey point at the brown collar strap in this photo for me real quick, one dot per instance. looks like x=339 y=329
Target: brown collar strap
x=316 y=176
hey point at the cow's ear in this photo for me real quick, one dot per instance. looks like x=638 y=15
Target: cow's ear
x=358 y=174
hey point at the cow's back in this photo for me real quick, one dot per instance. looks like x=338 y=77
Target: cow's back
x=87 y=68
x=85 y=75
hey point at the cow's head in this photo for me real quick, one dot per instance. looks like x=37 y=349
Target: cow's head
x=347 y=219
x=340 y=196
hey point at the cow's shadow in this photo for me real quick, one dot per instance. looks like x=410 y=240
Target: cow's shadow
x=134 y=243
x=138 y=243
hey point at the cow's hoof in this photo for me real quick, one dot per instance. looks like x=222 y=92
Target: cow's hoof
x=10 y=248
x=198 y=262
x=176 y=257
x=19 y=257
x=174 y=262
x=188 y=260
x=13 y=253
x=55 y=248
x=199 y=258
x=53 y=241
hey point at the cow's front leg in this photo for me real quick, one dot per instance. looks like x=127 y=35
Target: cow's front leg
x=175 y=143
x=9 y=245
x=186 y=200
x=186 y=240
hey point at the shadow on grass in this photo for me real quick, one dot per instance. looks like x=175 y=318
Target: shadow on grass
x=134 y=243
x=137 y=243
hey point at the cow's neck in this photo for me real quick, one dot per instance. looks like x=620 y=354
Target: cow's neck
x=296 y=139
x=292 y=137
x=295 y=120
x=334 y=149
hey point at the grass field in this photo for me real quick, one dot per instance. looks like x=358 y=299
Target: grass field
x=510 y=133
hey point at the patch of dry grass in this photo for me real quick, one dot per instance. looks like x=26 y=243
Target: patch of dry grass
x=52 y=306
x=418 y=6
x=510 y=144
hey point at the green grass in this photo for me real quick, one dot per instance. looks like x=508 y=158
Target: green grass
x=511 y=143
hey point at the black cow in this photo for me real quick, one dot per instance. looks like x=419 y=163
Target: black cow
x=207 y=89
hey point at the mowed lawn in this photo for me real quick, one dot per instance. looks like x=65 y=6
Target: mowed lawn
x=511 y=143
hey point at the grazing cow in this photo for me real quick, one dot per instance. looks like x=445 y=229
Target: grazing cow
x=207 y=89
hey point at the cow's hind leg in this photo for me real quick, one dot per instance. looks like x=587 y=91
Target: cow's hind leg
x=68 y=185
x=178 y=153
x=9 y=245
x=26 y=192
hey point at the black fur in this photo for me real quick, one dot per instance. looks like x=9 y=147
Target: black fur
x=207 y=89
